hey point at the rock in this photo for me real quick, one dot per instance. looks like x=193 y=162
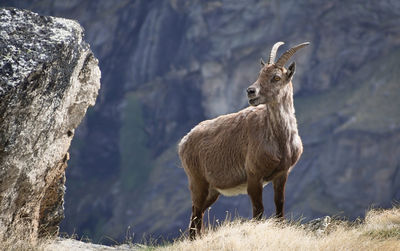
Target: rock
x=62 y=244
x=319 y=225
x=48 y=79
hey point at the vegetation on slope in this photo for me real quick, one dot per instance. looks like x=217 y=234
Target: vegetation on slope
x=135 y=157
x=366 y=102
x=379 y=231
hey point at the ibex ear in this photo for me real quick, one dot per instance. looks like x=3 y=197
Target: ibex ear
x=291 y=70
x=262 y=62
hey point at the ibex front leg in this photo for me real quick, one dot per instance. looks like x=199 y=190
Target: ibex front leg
x=254 y=190
x=279 y=194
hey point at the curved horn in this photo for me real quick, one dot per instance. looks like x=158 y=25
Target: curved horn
x=289 y=53
x=274 y=49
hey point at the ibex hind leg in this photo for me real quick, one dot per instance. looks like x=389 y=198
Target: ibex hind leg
x=211 y=198
x=202 y=198
x=199 y=193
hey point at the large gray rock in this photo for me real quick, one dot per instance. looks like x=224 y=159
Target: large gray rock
x=48 y=79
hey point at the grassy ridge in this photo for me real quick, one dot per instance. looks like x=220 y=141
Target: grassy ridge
x=379 y=231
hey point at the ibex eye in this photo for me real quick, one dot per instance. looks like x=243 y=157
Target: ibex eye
x=277 y=78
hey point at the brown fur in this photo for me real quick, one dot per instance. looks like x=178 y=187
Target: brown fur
x=249 y=148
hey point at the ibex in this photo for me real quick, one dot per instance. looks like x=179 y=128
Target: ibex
x=241 y=152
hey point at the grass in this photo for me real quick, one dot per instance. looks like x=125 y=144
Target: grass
x=385 y=233
x=379 y=231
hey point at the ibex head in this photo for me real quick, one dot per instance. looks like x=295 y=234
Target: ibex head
x=273 y=77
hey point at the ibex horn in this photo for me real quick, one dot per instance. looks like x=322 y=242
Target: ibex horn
x=289 y=53
x=274 y=49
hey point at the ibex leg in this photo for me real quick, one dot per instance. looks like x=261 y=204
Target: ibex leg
x=254 y=190
x=279 y=194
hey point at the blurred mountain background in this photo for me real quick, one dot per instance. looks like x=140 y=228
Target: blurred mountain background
x=167 y=65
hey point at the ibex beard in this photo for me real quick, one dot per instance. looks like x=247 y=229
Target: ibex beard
x=239 y=153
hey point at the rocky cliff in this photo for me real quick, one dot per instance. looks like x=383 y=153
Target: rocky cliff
x=48 y=79
x=170 y=64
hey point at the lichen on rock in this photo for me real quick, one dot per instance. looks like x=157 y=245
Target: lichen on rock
x=48 y=79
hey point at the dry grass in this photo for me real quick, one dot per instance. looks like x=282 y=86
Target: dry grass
x=379 y=231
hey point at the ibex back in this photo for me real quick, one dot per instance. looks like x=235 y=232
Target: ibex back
x=241 y=152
